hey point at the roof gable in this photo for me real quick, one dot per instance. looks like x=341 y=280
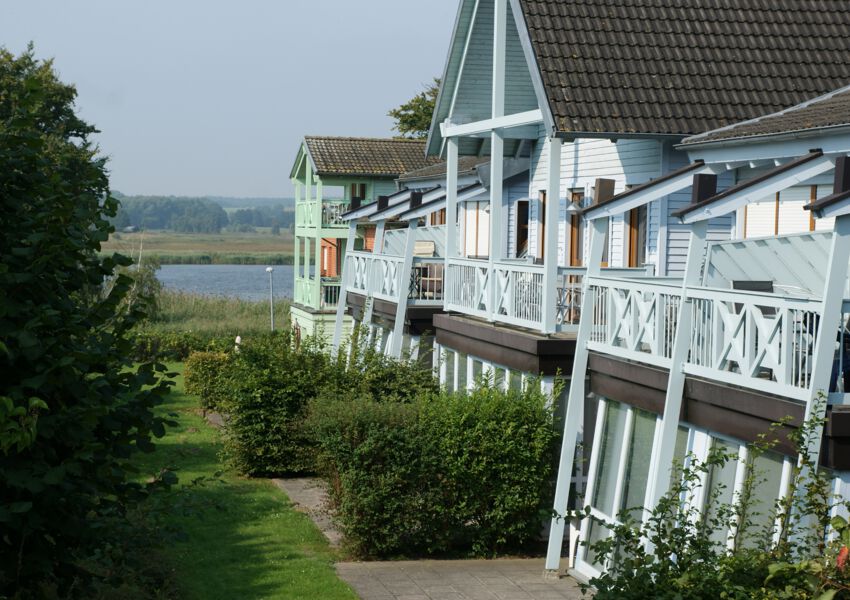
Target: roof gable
x=466 y=90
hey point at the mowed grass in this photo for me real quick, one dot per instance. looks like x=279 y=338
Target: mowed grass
x=215 y=315
x=205 y=248
x=248 y=542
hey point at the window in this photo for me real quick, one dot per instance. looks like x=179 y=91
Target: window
x=576 y=231
x=438 y=217
x=477 y=229
x=358 y=190
x=541 y=226
x=637 y=236
x=521 y=228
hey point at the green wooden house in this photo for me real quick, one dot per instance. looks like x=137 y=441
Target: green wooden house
x=330 y=175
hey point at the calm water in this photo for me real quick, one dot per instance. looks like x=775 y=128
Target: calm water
x=249 y=282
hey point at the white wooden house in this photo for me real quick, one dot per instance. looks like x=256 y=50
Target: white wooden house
x=754 y=331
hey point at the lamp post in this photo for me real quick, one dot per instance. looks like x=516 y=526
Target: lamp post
x=270 y=271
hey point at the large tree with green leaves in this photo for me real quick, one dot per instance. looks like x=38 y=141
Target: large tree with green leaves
x=413 y=118
x=73 y=410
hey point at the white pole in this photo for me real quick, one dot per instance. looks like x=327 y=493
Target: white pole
x=270 y=271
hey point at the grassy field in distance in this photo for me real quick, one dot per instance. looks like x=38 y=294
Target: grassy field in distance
x=206 y=248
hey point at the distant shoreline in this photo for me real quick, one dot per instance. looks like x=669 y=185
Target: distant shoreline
x=215 y=258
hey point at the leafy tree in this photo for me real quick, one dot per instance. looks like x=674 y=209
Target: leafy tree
x=73 y=410
x=413 y=118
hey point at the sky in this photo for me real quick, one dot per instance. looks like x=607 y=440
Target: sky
x=212 y=97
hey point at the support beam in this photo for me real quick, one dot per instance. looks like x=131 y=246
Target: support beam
x=343 y=287
x=550 y=252
x=704 y=186
x=575 y=402
x=497 y=239
x=403 y=291
x=648 y=192
x=530 y=117
x=378 y=248
x=451 y=197
x=782 y=177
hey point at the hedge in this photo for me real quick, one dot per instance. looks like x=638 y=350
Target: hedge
x=206 y=376
x=269 y=382
x=441 y=474
x=152 y=344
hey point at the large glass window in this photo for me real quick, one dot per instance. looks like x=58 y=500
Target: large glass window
x=607 y=471
x=637 y=468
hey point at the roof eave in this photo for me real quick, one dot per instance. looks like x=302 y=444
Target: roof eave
x=766 y=137
x=616 y=135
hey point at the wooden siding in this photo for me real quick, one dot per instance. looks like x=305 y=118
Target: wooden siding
x=473 y=101
x=627 y=162
x=678 y=234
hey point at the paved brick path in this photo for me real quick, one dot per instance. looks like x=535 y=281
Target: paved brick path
x=503 y=579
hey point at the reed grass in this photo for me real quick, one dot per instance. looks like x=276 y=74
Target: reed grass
x=215 y=315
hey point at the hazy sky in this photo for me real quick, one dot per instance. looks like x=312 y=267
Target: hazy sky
x=211 y=97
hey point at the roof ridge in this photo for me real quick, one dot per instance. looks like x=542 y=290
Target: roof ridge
x=362 y=139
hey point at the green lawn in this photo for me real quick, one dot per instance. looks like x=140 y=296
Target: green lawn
x=254 y=545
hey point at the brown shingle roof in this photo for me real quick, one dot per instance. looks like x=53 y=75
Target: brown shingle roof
x=464 y=164
x=683 y=66
x=366 y=157
x=832 y=110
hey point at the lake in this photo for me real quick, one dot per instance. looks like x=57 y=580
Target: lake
x=249 y=282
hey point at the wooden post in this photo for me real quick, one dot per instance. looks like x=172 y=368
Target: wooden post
x=550 y=261
x=575 y=402
x=705 y=186
x=317 y=218
x=497 y=147
x=451 y=198
x=343 y=286
x=403 y=291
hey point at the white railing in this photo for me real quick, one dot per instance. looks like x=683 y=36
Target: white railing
x=517 y=298
x=329 y=296
x=519 y=292
x=426 y=281
x=378 y=275
x=467 y=286
x=756 y=340
x=331 y=213
x=634 y=318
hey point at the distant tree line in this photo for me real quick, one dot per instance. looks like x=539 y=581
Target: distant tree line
x=195 y=215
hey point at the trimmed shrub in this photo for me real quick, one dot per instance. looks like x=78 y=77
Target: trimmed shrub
x=270 y=382
x=206 y=377
x=152 y=344
x=437 y=474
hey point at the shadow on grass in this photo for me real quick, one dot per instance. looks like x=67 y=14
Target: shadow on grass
x=242 y=538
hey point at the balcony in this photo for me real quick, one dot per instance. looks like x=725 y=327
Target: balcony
x=513 y=292
x=761 y=341
x=310 y=214
x=381 y=276
x=322 y=295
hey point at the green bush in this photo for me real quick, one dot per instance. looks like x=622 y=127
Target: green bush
x=206 y=376
x=684 y=560
x=439 y=473
x=270 y=382
x=74 y=409
x=154 y=344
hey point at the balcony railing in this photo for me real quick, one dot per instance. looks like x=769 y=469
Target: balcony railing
x=513 y=293
x=426 y=281
x=378 y=275
x=330 y=213
x=328 y=292
x=634 y=318
x=761 y=341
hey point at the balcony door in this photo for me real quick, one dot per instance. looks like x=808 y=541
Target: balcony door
x=638 y=225
x=477 y=230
